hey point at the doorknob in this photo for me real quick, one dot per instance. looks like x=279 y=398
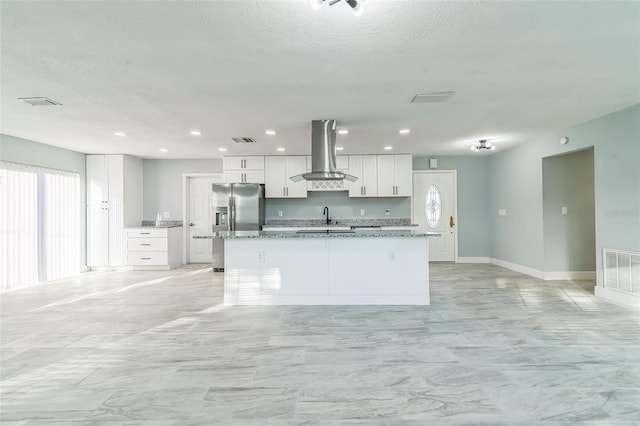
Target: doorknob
x=451 y=222
x=192 y=224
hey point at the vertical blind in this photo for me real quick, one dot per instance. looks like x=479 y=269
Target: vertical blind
x=39 y=225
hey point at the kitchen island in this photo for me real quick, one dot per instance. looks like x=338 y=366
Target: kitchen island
x=335 y=267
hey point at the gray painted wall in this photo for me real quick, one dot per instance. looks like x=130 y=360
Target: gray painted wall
x=23 y=151
x=569 y=240
x=474 y=236
x=340 y=207
x=162 y=184
x=516 y=184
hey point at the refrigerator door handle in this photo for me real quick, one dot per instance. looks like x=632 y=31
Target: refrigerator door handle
x=231 y=223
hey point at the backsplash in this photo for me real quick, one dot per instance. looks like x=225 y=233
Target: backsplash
x=340 y=206
x=162 y=223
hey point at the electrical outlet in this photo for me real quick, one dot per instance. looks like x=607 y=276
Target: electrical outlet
x=502 y=212
x=166 y=215
x=280 y=213
x=392 y=256
x=564 y=210
x=387 y=212
x=261 y=257
x=361 y=212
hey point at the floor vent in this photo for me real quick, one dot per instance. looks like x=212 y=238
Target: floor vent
x=622 y=270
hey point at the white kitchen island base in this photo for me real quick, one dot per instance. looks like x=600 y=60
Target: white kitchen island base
x=326 y=271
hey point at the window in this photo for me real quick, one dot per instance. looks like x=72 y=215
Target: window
x=433 y=206
x=39 y=225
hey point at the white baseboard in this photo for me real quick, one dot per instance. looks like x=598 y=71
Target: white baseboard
x=473 y=260
x=518 y=268
x=570 y=275
x=618 y=297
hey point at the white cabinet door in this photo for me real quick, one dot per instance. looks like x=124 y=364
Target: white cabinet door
x=274 y=177
x=115 y=169
x=97 y=180
x=253 y=162
x=249 y=176
x=295 y=165
x=394 y=175
x=232 y=163
x=404 y=175
x=363 y=167
x=278 y=170
x=97 y=235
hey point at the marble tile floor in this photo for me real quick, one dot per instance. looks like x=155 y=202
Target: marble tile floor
x=158 y=348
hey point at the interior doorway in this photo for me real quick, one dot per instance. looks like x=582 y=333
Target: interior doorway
x=434 y=209
x=198 y=217
x=568 y=201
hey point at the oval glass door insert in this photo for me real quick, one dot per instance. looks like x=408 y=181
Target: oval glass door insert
x=433 y=206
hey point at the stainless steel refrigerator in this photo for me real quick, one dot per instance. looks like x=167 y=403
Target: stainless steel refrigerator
x=236 y=207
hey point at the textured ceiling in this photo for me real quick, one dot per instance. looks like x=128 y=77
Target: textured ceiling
x=156 y=70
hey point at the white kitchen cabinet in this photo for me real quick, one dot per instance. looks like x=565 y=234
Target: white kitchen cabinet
x=365 y=168
x=394 y=175
x=154 y=248
x=278 y=170
x=248 y=169
x=114 y=200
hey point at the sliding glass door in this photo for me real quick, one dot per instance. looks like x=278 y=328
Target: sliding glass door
x=39 y=225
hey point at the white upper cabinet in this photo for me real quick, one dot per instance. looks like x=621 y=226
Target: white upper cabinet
x=278 y=170
x=248 y=169
x=364 y=167
x=394 y=175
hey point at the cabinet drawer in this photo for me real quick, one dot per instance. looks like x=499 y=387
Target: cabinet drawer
x=148 y=258
x=147 y=233
x=147 y=244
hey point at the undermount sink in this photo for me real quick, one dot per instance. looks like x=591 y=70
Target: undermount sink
x=325 y=231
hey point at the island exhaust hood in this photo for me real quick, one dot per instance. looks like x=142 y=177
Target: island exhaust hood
x=323 y=154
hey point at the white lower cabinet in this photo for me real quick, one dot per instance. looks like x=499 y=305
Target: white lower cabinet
x=154 y=248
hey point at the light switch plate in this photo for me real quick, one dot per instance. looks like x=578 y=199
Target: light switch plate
x=564 y=210
x=280 y=213
x=361 y=212
x=502 y=212
x=166 y=215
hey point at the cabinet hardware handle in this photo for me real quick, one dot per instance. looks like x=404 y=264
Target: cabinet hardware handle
x=145 y=233
x=146 y=244
x=145 y=258
x=451 y=222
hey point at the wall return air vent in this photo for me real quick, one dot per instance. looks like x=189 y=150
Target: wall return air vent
x=243 y=140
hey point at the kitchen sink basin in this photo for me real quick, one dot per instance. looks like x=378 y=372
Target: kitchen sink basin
x=325 y=231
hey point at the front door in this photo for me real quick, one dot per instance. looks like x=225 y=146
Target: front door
x=200 y=219
x=434 y=209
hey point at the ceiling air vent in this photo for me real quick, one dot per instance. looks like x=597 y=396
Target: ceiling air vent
x=244 y=140
x=39 y=101
x=424 y=98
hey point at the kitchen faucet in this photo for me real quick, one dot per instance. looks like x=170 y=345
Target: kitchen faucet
x=326 y=212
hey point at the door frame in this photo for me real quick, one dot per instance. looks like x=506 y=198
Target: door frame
x=186 y=208
x=455 y=204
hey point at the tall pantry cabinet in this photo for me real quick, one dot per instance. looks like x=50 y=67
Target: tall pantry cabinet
x=114 y=200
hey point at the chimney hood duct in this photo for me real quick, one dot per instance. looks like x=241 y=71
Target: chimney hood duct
x=323 y=154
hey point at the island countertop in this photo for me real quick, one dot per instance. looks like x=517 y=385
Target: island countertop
x=369 y=233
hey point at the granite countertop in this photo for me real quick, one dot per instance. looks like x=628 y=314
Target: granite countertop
x=315 y=234
x=157 y=224
x=309 y=223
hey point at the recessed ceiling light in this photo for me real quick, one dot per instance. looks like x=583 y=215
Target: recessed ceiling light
x=339 y=148
x=222 y=149
x=195 y=133
x=119 y=133
x=388 y=148
x=280 y=149
x=343 y=132
x=405 y=131
x=270 y=132
x=163 y=150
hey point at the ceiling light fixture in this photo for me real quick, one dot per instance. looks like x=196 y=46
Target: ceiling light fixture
x=163 y=150
x=339 y=148
x=356 y=5
x=343 y=132
x=482 y=144
x=195 y=133
x=270 y=132
x=388 y=148
x=222 y=149
x=280 y=149
x=119 y=134
x=405 y=131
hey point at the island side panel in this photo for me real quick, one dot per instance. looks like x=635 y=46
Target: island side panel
x=272 y=271
x=387 y=271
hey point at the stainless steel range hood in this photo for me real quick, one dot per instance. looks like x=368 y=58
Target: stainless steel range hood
x=323 y=154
